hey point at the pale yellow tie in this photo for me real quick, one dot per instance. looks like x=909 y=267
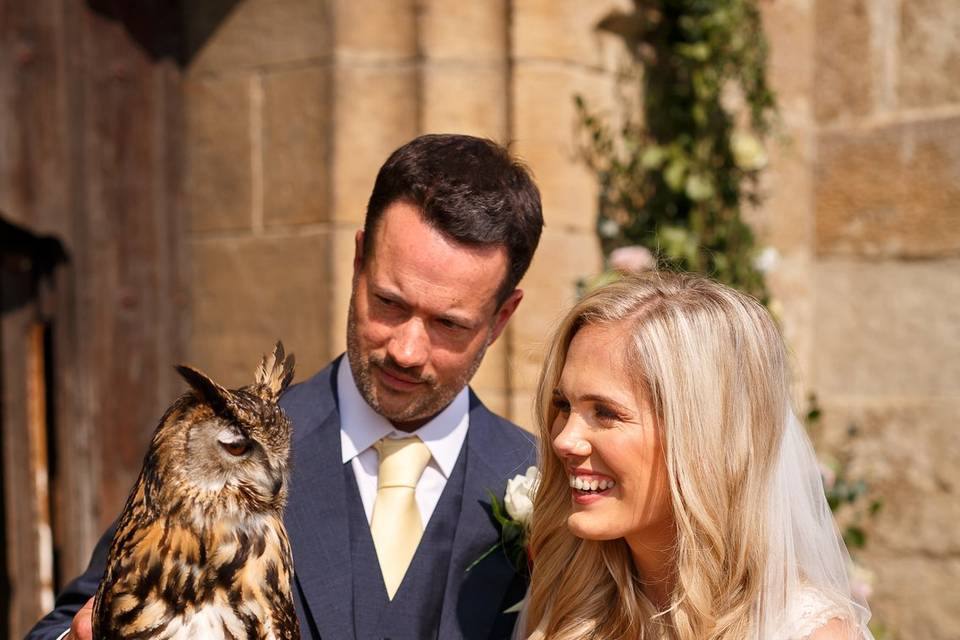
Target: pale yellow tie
x=396 y=525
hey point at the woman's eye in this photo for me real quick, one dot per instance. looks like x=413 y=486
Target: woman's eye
x=605 y=413
x=238 y=448
x=561 y=405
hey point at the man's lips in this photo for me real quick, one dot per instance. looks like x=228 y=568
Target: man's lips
x=396 y=381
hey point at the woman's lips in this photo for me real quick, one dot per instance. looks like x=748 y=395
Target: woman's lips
x=586 y=488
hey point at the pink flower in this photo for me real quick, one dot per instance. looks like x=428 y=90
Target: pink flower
x=829 y=476
x=634 y=259
x=861 y=582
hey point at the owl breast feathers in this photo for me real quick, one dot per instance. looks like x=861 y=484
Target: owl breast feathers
x=200 y=550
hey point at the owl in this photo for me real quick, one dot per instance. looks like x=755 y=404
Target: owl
x=200 y=550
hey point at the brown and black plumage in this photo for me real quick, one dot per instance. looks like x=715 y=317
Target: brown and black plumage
x=200 y=550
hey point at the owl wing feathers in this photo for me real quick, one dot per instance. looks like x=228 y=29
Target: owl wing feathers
x=158 y=571
x=132 y=572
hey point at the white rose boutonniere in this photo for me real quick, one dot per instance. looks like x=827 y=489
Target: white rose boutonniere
x=519 y=496
x=513 y=516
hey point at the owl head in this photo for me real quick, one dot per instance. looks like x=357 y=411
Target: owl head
x=225 y=450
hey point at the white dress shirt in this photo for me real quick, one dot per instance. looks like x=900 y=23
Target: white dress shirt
x=361 y=427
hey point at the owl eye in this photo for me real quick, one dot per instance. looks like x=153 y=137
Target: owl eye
x=236 y=448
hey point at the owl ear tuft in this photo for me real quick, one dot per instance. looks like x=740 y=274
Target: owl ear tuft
x=208 y=390
x=275 y=371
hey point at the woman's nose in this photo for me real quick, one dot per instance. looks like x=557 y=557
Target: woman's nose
x=570 y=442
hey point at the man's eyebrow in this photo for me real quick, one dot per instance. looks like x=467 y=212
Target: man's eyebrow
x=457 y=318
x=394 y=295
x=386 y=292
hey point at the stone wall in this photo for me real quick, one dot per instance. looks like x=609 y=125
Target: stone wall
x=886 y=277
x=293 y=105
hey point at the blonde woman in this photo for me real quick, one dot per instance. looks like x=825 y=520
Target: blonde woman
x=680 y=497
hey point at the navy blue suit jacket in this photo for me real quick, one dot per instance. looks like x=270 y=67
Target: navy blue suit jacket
x=317 y=523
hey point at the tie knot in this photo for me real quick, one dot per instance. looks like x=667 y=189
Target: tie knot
x=402 y=461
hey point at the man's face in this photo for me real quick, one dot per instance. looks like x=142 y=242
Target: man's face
x=422 y=313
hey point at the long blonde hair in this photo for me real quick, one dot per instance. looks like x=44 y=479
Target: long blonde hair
x=714 y=367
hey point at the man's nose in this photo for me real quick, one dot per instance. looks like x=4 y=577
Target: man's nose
x=410 y=344
x=571 y=441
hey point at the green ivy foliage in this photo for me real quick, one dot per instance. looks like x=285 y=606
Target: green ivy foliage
x=674 y=176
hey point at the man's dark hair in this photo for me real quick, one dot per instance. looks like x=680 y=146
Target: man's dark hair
x=470 y=189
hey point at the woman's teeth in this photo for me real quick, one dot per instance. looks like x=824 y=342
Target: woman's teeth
x=582 y=484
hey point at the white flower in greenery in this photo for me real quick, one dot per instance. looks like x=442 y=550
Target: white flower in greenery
x=748 y=152
x=519 y=496
x=766 y=260
x=608 y=228
x=634 y=259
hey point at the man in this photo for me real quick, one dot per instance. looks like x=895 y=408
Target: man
x=451 y=227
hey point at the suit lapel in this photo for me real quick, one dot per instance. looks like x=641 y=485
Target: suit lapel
x=316 y=514
x=473 y=600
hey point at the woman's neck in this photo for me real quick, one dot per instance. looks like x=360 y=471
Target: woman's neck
x=653 y=556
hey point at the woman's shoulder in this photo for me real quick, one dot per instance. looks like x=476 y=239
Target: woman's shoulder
x=814 y=615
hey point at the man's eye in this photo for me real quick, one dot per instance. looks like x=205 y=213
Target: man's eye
x=389 y=304
x=450 y=324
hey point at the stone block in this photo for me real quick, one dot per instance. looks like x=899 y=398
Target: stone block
x=374 y=29
x=217 y=171
x=567 y=30
x=906 y=449
x=375 y=111
x=914 y=595
x=296 y=167
x=784 y=217
x=225 y=35
x=249 y=292
x=522 y=410
x=550 y=289
x=929 y=53
x=464 y=99
x=887 y=328
x=341 y=282
x=471 y=30
x=891 y=191
x=492 y=374
x=793 y=303
x=548 y=134
x=844 y=86
x=789 y=28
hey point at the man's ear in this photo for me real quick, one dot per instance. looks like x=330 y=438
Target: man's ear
x=358 y=253
x=504 y=312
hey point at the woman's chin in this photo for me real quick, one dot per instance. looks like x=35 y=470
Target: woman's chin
x=589 y=526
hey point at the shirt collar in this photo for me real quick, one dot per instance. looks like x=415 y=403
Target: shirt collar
x=361 y=426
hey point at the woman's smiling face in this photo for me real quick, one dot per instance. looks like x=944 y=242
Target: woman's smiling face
x=607 y=437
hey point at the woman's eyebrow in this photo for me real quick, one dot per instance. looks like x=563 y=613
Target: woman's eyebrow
x=590 y=397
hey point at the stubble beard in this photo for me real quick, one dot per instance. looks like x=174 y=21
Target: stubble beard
x=431 y=400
